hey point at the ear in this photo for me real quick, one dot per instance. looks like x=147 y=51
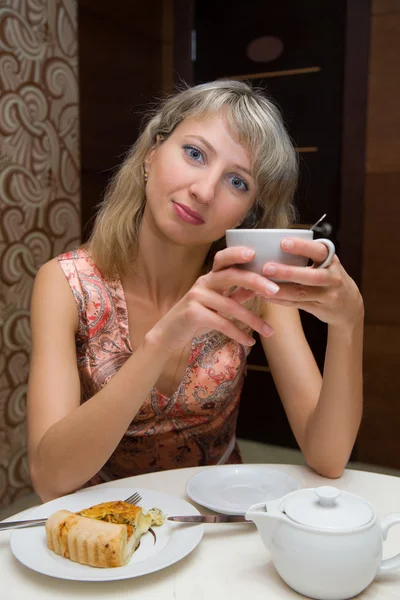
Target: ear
x=150 y=155
x=149 y=158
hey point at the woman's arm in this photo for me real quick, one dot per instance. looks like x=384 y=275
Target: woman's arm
x=325 y=414
x=333 y=426
x=68 y=442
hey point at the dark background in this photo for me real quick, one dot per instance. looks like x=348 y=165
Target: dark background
x=137 y=52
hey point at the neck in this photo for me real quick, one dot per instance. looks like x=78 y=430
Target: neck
x=162 y=271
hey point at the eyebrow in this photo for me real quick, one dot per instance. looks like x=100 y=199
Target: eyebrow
x=212 y=149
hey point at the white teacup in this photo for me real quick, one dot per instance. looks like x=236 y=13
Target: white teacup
x=267 y=245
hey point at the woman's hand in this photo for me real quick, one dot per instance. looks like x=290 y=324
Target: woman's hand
x=329 y=293
x=208 y=305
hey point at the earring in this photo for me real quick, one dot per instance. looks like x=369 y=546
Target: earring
x=146 y=176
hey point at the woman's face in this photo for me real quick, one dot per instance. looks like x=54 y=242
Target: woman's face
x=199 y=182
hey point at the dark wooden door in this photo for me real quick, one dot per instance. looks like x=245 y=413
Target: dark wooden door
x=303 y=54
x=121 y=47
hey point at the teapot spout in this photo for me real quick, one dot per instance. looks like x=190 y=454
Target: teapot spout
x=266 y=516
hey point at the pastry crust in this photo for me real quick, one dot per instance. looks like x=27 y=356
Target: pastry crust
x=89 y=541
x=104 y=535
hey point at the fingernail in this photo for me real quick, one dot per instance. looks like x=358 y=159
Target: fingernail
x=267 y=330
x=269 y=270
x=248 y=253
x=251 y=342
x=288 y=244
x=272 y=287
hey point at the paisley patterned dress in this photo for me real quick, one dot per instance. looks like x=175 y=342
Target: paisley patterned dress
x=196 y=425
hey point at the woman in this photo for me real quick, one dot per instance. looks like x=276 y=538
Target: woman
x=140 y=368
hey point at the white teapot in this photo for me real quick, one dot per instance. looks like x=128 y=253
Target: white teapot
x=324 y=543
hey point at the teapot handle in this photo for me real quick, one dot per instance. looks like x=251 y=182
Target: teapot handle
x=271 y=507
x=389 y=564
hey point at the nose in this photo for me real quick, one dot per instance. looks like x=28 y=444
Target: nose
x=203 y=189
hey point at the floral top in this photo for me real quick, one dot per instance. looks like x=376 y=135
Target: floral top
x=196 y=425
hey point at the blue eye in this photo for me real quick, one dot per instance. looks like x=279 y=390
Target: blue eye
x=193 y=153
x=238 y=183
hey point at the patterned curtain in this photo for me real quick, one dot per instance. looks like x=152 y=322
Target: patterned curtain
x=39 y=191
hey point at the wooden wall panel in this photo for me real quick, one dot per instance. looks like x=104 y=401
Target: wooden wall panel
x=383 y=147
x=381 y=257
x=385 y=6
x=378 y=439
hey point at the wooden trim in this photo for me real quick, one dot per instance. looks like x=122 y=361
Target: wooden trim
x=307 y=149
x=262 y=368
x=183 y=18
x=355 y=96
x=283 y=73
x=167 y=45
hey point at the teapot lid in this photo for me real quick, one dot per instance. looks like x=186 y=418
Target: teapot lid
x=327 y=507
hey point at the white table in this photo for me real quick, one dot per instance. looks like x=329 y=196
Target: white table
x=230 y=562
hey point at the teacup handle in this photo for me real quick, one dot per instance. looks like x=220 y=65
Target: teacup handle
x=330 y=246
x=389 y=564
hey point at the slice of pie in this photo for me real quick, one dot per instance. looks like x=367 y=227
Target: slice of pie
x=104 y=535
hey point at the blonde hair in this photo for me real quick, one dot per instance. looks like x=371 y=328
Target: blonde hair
x=257 y=125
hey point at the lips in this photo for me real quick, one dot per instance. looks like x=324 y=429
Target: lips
x=187 y=214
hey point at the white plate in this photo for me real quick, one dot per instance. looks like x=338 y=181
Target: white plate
x=232 y=489
x=173 y=542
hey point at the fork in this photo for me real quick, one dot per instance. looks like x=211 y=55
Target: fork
x=133 y=499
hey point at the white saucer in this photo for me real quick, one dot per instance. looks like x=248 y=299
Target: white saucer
x=232 y=489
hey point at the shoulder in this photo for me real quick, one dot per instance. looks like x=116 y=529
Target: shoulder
x=49 y=273
x=51 y=296
x=81 y=270
x=79 y=260
x=64 y=268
